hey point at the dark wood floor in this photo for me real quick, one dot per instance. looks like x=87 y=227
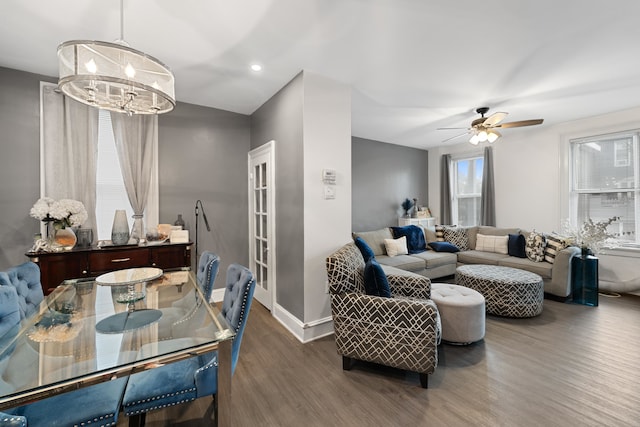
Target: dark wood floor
x=571 y=366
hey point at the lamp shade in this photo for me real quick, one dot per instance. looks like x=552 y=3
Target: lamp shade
x=115 y=77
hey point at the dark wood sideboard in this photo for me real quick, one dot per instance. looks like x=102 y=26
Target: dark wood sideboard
x=91 y=262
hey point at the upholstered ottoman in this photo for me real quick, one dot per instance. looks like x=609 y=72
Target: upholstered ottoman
x=462 y=312
x=509 y=292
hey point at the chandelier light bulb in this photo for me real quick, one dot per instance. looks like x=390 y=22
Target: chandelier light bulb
x=130 y=71
x=91 y=66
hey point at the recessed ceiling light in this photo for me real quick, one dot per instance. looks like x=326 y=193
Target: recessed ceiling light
x=256 y=67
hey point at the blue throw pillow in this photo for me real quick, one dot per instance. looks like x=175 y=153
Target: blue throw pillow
x=444 y=247
x=516 y=245
x=367 y=252
x=414 y=235
x=375 y=281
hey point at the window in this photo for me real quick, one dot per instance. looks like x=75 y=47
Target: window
x=605 y=181
x=110 y=191
x=467 y=190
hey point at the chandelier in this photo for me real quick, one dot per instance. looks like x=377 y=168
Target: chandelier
x=115 y=77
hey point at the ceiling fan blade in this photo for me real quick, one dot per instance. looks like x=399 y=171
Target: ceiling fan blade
x=454 y=137
x=520 y=123
x=494 y=119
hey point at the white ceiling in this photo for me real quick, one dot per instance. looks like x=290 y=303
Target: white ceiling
x=413 y=65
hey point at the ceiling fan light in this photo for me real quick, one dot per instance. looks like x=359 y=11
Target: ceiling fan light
x=482 y=136
x=492 y=136
x=474 y=139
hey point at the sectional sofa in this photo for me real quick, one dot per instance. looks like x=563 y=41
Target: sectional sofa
x=554 y=267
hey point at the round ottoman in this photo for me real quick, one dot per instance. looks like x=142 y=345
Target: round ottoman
x=462 y=312
x=509 y=292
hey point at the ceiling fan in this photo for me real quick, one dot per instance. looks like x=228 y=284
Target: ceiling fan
x=483 y=128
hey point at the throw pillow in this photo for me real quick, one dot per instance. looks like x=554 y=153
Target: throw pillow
x=440 y=233
x=457 y=236
x=414 y=235
x=555 y=244
x=534 y=247
x=517 y=243
x=396 y=246
x=444 y=247
x=495 y=244
x=375 y=281
x=367 y=252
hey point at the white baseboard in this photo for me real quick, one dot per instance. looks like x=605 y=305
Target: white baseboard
x=304 y=332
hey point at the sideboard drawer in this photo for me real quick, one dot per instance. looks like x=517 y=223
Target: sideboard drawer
x=100 y=262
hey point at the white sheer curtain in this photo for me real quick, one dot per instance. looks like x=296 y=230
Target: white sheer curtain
x=136 y=140
x=68 y=150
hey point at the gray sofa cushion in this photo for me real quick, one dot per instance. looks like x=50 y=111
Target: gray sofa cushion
x=375 y=239
x=488 y=231
x=479 y=257
x=404 y=262
x=541 y=268
x=434 y=259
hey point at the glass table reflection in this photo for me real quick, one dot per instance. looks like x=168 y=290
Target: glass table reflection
x=62 y=348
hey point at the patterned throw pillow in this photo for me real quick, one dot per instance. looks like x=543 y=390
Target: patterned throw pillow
x=555 y=244
x=457 y=236
x=439 y=233
x=535 y=245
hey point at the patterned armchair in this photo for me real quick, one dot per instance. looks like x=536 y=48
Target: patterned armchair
x=402 y=331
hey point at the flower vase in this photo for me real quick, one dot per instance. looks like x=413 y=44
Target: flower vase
x=120 y=229
x=64 y=239
x=414 y=212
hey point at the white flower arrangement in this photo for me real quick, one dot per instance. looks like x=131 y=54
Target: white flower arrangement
x=63 y=212
x=591 y=235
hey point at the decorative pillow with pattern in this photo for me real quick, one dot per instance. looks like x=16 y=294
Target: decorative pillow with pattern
x=534 y=247
x=439 y=233
x=457 y=236
x=555 y=244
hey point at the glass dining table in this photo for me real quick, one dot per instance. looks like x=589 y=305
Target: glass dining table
x=89 y=331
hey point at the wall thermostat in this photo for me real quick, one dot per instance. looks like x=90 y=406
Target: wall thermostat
x=329 y=176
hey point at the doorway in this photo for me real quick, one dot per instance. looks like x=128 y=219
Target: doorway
x=262 y=242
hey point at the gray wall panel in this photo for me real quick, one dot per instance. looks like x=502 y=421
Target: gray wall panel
x=280 y=119
x=383 y=175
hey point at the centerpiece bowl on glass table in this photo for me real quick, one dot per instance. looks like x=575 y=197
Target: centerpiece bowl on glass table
x=128 y=287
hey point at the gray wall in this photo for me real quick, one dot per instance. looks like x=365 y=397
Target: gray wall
x=19 y=162
x=202 y=155
x=280 y=119
x=382 y=176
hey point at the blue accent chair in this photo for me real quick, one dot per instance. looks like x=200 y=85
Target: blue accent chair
x=207 y=271
x=195 y=377
x=26 y=279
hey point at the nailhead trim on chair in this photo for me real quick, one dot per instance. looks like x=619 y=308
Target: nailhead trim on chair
x=22 y=423
x=86 y=423
x=151 y=399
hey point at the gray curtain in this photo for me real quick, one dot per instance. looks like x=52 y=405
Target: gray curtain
x=136 y=140
x=445 y=189
x=69 y=150
x=488 y=195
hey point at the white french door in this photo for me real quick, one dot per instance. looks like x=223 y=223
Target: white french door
x=262 y=255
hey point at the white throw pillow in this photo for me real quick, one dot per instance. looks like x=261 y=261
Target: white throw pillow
x=496 y=244
x=396 y=246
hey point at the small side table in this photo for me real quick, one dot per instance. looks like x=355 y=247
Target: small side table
x=584 y=280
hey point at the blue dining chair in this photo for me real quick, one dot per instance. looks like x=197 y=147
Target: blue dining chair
x=25 y=278
x=195 y=377
x=95 y=405
x=174 y=316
